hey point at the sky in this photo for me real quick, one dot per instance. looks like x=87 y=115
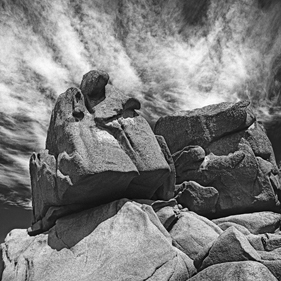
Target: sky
x=170 y=54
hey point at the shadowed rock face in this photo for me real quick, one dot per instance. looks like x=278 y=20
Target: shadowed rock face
x=98 y=149
x=204 y=125
x=221 y=146
x=273 y=130
x=242 y=271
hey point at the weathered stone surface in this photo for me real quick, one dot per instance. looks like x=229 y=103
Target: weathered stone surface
x=93 y=88
x=52 y=214
x=273 y=130
x=122 y=240
x=167 y=216
x=189 y=158
x=199 y=199
x=255 y=136
x=262 y=149
x=274 y=266
x=261 y=144
x=203 y=125
x=240 y=180
x=192 y=232
x=235 y=271
x=270 y=255
x=256 y=223
x=272 y=260
x=202 y=254
x=271 y=241
x=241 y=228
x=167 y=190
x=257 y=241
x=98 y=150
x=231 y=246
x=260 y=242
x=42 y=169
x=167 y=212
x=222 y=146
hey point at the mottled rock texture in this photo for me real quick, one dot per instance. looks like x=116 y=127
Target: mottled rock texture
x=256 y=223
x=198 y=198
x=221 y=146
x=192 y=232
x=204 y=125
x=98 y=149
x=122 y=240
x=235 y=271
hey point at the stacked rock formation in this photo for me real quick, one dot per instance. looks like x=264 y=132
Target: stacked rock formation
x=197 y=199
x=222 y=147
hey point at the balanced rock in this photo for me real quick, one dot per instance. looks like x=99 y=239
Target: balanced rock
x=98 y=149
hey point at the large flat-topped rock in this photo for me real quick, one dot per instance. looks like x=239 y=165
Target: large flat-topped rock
x=204 y=125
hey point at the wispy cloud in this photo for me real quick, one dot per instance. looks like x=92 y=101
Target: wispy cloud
x=172 y=55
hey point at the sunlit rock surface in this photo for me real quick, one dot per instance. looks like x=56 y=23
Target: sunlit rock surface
x=122 y=240
x=232 y=271
x=191 y=233
x=256 y=223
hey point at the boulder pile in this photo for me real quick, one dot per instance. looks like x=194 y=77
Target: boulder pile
x=198 y=198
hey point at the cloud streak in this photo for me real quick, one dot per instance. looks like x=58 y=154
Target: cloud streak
x=172 y=55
